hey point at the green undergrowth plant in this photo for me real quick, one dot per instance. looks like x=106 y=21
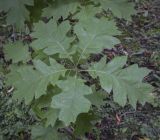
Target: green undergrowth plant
x=51 y=73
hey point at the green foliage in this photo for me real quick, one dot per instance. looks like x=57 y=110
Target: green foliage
x=71 y=101
x=86 y=119
x=52 y=38
x=94 y=41
x=33 y=82
x=16 y=10
x=97 y=98
x=54 y=86
x=120 y=8
x=16 y=52
x=125 y=82
x=60 y=8
x=49 y=133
